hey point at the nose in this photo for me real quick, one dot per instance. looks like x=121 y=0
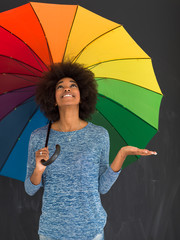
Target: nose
x=67 y=89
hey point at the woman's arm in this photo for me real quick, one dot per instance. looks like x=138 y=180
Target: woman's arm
x=109 y=174
x=36 y=176
x=34 y=168
x=124 y=152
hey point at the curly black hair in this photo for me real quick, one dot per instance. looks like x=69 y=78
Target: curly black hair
x=45 y=91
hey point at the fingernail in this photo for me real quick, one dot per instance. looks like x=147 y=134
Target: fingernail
x=155 y=153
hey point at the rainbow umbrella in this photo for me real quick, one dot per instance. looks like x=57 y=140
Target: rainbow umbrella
x=37 y=34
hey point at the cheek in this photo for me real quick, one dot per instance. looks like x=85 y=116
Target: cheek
x=79 y=94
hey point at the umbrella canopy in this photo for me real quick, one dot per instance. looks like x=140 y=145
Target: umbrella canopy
x=37 y=34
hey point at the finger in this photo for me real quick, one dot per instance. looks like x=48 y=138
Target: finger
x=153 y=153
x=46 y=157
x=147 y=152
x=42 y=151
x=43 y=154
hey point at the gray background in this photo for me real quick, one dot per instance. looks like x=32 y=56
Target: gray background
x=144 y=203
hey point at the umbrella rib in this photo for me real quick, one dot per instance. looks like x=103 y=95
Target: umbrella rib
x=79 y=54
x=31 y=50
x=19 y=76
x=70 y=33
x=29 y=99
x=102 y=78
x=22 y=64
x=27 y=80
x=16 y=106
x=18 y=139
x=111 y=125
x=117 y=59
x=50 y=56
x=127 y=110
x=18 y=90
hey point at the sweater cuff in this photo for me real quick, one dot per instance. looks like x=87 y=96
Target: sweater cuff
x=113 y=172
x=30 y=188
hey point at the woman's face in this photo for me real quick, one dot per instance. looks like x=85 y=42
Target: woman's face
x=67 y=92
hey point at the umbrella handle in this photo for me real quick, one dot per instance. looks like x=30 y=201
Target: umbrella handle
x=53 y=157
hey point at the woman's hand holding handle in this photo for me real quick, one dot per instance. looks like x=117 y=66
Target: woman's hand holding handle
x=41 y=154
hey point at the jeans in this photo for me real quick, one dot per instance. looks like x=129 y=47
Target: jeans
x=98 y=237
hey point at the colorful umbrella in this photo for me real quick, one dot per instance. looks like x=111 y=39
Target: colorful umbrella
x=35 y=35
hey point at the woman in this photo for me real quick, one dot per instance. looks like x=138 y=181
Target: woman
x=72 y=184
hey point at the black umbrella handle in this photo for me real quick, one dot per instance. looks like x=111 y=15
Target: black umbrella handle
x=56 y=153
x=53 y=157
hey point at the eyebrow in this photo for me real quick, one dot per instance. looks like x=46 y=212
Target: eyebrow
x=61 y=81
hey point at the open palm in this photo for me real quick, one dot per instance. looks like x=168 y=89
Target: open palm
x=130 y=150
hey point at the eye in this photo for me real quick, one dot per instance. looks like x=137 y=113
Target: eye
x=59 y=86
x=74 y=85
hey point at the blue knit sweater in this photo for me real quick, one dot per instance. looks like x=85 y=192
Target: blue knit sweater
x=71 y=208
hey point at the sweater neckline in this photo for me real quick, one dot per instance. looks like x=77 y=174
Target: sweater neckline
x=70 y=132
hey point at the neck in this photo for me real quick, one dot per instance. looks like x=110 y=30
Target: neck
x=69 y=119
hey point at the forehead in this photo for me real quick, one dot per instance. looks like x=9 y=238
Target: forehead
x=66 y=80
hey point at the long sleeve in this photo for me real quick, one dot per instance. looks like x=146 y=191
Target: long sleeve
x=107 y=176
x=30 y=188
